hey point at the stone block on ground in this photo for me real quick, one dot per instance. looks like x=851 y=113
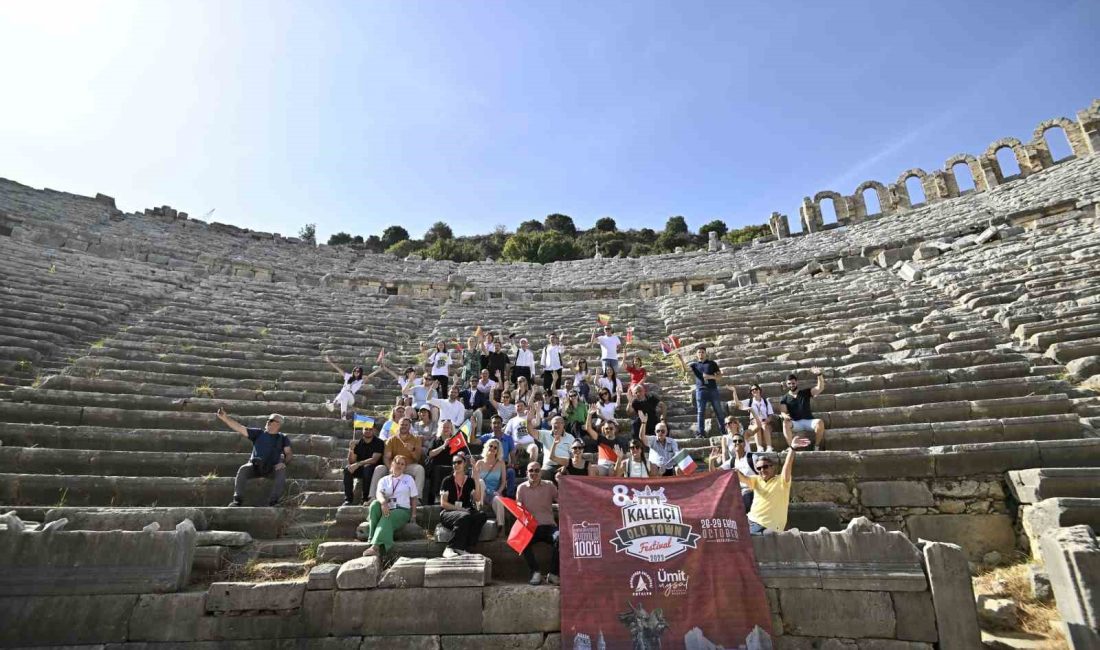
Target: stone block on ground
x=916 y=616
x=322 y=576
x=976 y=534
x=471 y=570
x=889 y=494
x=531 y=641
x=359 y=573
x=488 y=533
x=1072 y=560
x=340 y=551
x=408 y=611
x=254 y=596
x=952 y=596
x=65 y=620
x=404 y=572
x=229 y=538
x=408 y=642
x=835 y=613
x=521 y=608
x=998 y=613
x=1039 y=582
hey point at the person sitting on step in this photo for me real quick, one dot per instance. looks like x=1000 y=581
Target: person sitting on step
x=538 y=497
x=797 y=414
x=496 y=477
x=577 y=465
x=634 y=463
x=662 y=449
x=647 y=405
x=439 y=458
x=364 y=456
x=394 y=505
x=735 y=454
x=763 y=416
x=636 y=371
x=353 y=382
x=271 y=453
x=605 y=443
x=771 y=493
x=460 y=502
x=390 y=427
x=403 y=443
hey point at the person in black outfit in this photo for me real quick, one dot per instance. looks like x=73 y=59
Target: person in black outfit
x=458 y=496
x=363 y=456
x=577 y=465
x=706 y=374
x=651 y=405
x=797 y=416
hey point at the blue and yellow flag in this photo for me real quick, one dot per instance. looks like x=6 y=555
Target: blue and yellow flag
x=362 y=422
x=465 y=429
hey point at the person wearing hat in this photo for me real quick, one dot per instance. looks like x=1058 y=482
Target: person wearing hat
x=270 y=455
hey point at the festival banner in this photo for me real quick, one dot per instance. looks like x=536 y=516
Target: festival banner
x=658 y=563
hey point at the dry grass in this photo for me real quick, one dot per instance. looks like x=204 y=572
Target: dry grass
x=263 y=571
x=1034 y=617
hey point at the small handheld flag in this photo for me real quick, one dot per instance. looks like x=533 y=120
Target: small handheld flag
x=361 y=421
x=630 y=334
x=458 y=440
x=665 y=347
x=477 y=332
x=603 y=319
x=606 y=453
x=524 y=528
x=684 y=462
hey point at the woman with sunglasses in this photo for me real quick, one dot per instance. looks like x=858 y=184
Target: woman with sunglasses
x=603 y=442
x=523 y=392
x=605 y=407
x=491 y=472
x=580 y=379
x=735 y=454
x=394 y=506
x=575 y=411
x=577 y=465
x=635 y=464
x=353 y=383
x=763 y=416
x=459 y=499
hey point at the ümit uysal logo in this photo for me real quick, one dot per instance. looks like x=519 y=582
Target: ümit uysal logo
x=653 y=529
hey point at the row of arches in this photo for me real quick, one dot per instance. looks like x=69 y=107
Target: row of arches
x=1053 y=141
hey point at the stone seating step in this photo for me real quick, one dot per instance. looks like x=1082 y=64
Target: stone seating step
x=35 y=460
x=317 y=499
x=82 y=490
x=1040 y=427
x=1026 y=331
x=1059 y=512
x=260 y=522
x=1034 y=485
x=157 y=403
x=1076 y=349
x=19 y=434
x=145 y=419
x=286 y=547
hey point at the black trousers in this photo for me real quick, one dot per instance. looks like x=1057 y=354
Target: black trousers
x=436 y=473
x=444 y=384
x=466 y=525
x=363 y=474
x=521 y=371
x=547 y=535
x=548 y=378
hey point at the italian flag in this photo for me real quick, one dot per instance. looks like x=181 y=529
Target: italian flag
x=684 y=462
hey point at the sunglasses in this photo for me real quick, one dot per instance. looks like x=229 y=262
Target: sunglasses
x=763 y=466
x=532 y=471
x=738 y=440
x=577 y=448
x=272 y=420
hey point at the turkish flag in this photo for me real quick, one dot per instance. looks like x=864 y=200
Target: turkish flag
x=456 y=443
x=524 y=528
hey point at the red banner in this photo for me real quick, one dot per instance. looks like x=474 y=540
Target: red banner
x=658 y=563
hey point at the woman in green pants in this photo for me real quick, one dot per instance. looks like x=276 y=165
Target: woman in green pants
x=394 y=505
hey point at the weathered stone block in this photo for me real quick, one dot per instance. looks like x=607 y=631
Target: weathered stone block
x=251 y=596
x=501 y=641
x=976 y=534
x=404 y=572
x=849 y=614
x=1072 y=559
x=885 y=494
x=952 y=597
x=340 y=551
x=916 y=616
x=65 y=620
x=359 y=573
x=409 y=642
x=471 y=570
x=520 y=608
x=223 y=538
x=408 y=611
x=322 y=576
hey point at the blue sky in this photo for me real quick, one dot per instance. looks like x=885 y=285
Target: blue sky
x=359 y=115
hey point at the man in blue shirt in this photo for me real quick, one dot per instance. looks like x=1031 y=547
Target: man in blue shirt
x=706 y=374
x=270 y=454
x=507 y=452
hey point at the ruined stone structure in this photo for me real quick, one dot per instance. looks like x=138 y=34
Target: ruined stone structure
x=959 y=336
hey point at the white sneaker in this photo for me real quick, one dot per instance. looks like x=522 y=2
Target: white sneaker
x=461 y=552
x=769 y=450
x=450 y=552
x=331 y=407
x=536 y=579
x=552 y=579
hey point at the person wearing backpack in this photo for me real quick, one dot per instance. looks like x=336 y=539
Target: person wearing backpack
x=271 y=453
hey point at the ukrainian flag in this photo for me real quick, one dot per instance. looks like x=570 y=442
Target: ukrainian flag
x=465 y=429
x=362 y=422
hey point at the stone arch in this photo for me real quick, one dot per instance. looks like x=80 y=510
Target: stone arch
x=904 y=201
x=885 y=199
x=972 y=164
x=840 y=205
x=1075 y=135
x=994 y=167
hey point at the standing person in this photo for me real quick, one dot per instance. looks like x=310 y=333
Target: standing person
x=459 y=499
x=609 y=347
x=523 y=392
x=661 y=450
x=771 y=493
x=353 y=382
x=524 y=365
x=538 y=497
x=610 y=381
x=271 y=453
x=415 y=387
x=440 y=362
x=634 y=463
x=580 y=379
x=394 y=506
x=474 y=403
x=648 y=411
x=706 y=374
x=796 y=413
x=495 y=476
x=363 y=457
x=551 y=361
x=471 y=361
x=763 y=416
x=407 y=444
x=497 y=361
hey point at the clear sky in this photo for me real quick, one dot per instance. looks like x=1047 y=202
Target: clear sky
x=359 y=115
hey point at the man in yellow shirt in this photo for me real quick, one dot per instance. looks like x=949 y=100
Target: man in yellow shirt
x=771 y=493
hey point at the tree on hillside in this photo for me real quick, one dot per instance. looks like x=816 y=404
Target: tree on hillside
x=556 y=247
x=717 y=226
x=560 y=223
x=747 y=234
x=531 y=225
x=606 y=224
x=392 y=235
x=676 y=225
x=374 y=244
x=455 y=250
x=340 y=239
x=522 y=247
x=439 y=230
x=405 y=247
x=309 y=233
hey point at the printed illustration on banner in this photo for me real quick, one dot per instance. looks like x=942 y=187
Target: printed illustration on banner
x=653 y=529
x=586 y=541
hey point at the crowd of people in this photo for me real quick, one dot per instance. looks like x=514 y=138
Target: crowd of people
x=458 y=437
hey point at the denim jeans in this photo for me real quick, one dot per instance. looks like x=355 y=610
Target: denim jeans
x=704 y=396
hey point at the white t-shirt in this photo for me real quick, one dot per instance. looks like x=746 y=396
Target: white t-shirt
x=761 y=407
x=609 y=347
x=517 y=428
x=551 y=358
x=487 y=386
x=606 y=411
x=605 y=382
x=454 y=411
x=398 y=490
x=441 y=363
x=525 y=359
x=562 y=448
x=579 y=377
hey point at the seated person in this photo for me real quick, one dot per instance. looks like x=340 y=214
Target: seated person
x=460 y=502
x=662 y=449
x=394 y=506
x=494 y=477
x=507 y=452
x=404 y=443
x=538 y=496
x=364 y=456
x=634 y=464
x=577 y=465
x=795 y=411
x=270 y=454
